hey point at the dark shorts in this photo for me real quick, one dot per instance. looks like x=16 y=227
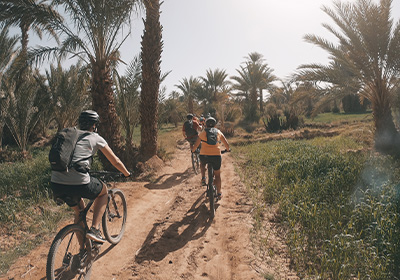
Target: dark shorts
x=193 y=139
x=214 y=160
x=71 y=194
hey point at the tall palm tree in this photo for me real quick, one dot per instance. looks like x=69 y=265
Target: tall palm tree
x=365 y=60
x=215 y=82
x=255 y=76
x=94 y=38
x=151 y=73
x=188 y=87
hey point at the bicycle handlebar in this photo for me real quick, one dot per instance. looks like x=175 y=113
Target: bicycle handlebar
x=108 y=176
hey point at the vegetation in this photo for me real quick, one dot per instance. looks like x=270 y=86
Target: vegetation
x=364 y=62
x=338 y=203
x=340 y=209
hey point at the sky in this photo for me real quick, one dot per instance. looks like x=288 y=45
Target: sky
x=199 y=35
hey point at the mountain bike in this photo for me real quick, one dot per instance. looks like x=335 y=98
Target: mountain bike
x=211 y=191
x=71 y=253
x=196 y=160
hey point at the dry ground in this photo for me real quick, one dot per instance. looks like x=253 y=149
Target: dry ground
x=169 y=233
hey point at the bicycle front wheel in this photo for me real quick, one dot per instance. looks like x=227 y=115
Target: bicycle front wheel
x=114 y=218
x=196 y=163
x=69 y=258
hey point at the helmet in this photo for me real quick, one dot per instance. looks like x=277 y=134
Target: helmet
x=211 y=122
x=87 y=119
x=189 y=116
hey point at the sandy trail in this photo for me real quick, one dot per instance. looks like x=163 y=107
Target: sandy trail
x=169 y=234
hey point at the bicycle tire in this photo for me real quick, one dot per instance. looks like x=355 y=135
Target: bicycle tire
x=210 y=190
x=196 y=163
x=64 y=260
x=114 y=218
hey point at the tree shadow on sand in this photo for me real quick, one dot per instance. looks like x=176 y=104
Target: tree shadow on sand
x=173 y=180
x=196 y=222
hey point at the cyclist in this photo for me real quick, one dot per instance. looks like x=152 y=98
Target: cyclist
x=210 y=152
x=190 y=128
x=202 y=121
x=76 y=183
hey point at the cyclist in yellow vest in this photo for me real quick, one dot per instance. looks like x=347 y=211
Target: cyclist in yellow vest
x=210 y=152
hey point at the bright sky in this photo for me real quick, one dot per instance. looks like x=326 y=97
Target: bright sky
x=208 y=34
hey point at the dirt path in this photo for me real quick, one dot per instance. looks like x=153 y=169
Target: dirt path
x=169 y=234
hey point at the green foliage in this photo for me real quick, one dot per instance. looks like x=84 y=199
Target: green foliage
x=23 y=184
x=340 y=209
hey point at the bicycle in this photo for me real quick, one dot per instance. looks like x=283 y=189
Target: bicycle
x=211 y=191
x=71 y=253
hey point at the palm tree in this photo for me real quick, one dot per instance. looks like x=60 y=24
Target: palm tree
x=365 y=61
x=22 y=114
x=7 y=50
x=65 y=94
x=151 y=73
x=215 y=82
x=254 y=77
x=128 y=98
x=7 y=54
x=188 y=87
x=94 y=39
x=28 y=15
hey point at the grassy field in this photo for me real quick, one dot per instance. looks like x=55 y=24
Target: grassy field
x=337 y=202
x=339 y=117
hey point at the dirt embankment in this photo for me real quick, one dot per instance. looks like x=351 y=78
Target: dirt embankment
x=170 y=235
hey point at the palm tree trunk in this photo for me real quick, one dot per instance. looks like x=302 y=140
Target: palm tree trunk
x=151 y=60
x=261 y=102
x=386 y=134
x=104 y=105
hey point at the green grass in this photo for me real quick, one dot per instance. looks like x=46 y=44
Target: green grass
x=27 y=214
x=340 y=210
x=339 y=117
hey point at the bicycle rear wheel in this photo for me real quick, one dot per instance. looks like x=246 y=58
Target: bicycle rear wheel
x=114 y=218
x=210 y=190
x=68 y=257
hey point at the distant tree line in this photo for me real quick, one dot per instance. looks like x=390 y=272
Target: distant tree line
x=363 y=72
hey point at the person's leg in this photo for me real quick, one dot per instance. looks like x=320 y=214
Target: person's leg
x=217 y=160
x=77 y=209
x=99 y=206
x=218 y=183
x=203 y=169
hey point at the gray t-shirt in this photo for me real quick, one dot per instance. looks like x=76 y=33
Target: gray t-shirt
x=85 y=148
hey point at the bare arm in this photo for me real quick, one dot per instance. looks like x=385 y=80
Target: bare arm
x=114 y=160
x=226 y=144
x=196 y=144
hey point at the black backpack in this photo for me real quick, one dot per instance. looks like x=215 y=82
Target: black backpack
x=212 y=136
x=189 y=130
x=63 y=147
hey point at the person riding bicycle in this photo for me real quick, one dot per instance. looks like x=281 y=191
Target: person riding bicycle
x=190 y=128
x=76 y=183
x=202 y=121
x=210 y=152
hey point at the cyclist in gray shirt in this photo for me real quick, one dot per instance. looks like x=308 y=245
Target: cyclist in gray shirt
x=76 y=183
